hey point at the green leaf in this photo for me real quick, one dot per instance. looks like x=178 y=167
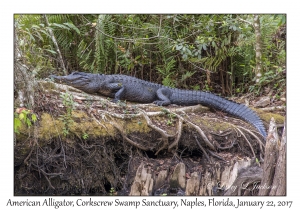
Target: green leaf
x=214 y=44
x=33 y=117
x=45 y=32
x=72 y=26
x=35 y=26
x=188 y=51
x=200 y=47
x=60 y=26
x=21 y=116
x=28 y=122
x=178 y=47
x=51 y=51
x=17 y=125
x=29 y=33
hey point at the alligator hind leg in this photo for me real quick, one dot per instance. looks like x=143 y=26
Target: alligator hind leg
x=119 y=94
x=163 y=95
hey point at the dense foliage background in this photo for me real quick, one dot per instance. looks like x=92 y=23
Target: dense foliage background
x=224 y=53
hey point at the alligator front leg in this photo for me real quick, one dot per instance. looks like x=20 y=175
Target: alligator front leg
x=163 y=95
x=112 y=89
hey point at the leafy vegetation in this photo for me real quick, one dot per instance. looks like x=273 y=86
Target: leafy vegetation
x=67 y=117
x=207 y=52
x=23 y=116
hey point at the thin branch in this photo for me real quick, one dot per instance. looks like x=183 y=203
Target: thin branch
x=56 y=45
x=245 y=21
x=160 y=20
x=200 y=68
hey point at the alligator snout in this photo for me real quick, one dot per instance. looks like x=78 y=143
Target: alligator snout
x=56 y=78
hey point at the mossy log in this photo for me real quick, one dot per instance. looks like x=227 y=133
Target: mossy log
x=88 y=145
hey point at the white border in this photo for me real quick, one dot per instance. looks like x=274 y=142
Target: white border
x=8 y=8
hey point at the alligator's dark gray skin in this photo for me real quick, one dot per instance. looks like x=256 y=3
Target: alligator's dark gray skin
x=122 y=87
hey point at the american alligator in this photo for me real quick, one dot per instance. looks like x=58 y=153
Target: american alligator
x=122 y=87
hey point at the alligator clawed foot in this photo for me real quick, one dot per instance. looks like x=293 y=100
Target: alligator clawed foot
x=115 y=100
x=158 y=103
x=161 y=103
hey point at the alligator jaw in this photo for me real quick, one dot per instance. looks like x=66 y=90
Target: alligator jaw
x=60 y=79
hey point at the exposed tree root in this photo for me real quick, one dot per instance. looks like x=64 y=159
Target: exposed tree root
x=127 y=139
x=49 y=182
x=217 y=156
x=203 y=150
x=239 y=128
x=179 y=130
x=162 y=132
x=247 y=140
x=274 y=108
x=224 y=148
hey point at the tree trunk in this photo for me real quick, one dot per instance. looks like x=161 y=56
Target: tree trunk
x=274 y=173
x=258 y=47
x=270 y=158
x=279 y=180
x=222 y=78
x=23 y=79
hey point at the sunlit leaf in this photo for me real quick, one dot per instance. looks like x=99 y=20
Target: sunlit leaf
x=33 y=117
x=21 y=116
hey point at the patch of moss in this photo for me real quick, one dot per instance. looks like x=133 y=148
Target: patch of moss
x=267 y=117
x=136 y=125
x=213 y=125
x=84 y=124
x=49 y=127
x=220 y=127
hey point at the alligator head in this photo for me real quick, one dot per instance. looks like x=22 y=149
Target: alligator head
x=82 y=81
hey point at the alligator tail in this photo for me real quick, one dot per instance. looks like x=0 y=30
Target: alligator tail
x=233 y=108
x=219 y=103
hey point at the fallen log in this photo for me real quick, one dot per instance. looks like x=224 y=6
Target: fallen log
x=85 y=144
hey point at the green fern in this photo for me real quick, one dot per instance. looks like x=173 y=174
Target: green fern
x=105 y=47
